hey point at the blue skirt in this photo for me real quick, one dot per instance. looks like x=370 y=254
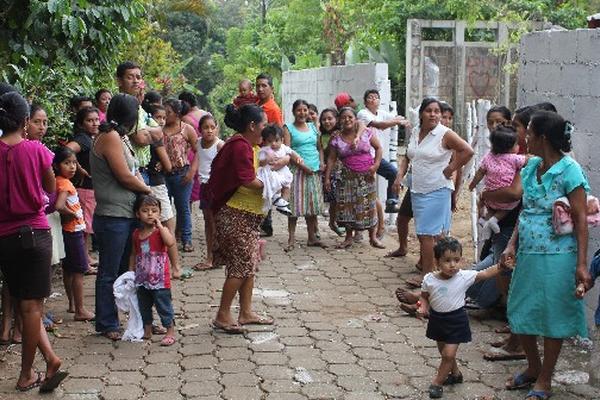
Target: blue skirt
x=432 y=212
x=449 y=327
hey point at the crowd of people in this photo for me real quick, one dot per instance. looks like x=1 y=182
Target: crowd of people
x=124 y=183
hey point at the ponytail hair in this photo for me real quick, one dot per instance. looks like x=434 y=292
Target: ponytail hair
x=122 y=114
x=557 y=131
x=14 y=110
x=239 y=119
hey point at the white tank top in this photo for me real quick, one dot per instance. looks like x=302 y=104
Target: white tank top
x=428 y=160
x=205 y=158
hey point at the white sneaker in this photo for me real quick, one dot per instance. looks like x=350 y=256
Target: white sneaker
x=284 y=210
x=281 y=202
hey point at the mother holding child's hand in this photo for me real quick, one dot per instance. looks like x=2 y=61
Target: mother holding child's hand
x=430 y=155
x=551 y=272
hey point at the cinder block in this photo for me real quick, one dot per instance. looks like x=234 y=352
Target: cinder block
x=562 y=46
x=581 y=148
x=548 y=77
x=565 y=105
x=595 y=79
x=588 y=46
x=528 y=76
x=535 y=46
x=586 y=117
x=575 y=80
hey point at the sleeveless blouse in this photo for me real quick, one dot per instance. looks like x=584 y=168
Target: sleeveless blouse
x=177 y=148
x=112 y=199
x=305 y=144
x=428 y=161
x=205 y=158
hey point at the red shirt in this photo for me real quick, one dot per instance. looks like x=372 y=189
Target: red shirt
x=151 y=261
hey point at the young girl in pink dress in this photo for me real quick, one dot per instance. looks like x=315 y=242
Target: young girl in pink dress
x=498 y=167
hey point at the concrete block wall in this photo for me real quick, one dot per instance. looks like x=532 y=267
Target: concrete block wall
x=563 y=67
x=320 y=86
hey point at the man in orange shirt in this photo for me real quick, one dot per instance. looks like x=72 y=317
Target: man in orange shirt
x=264 y=90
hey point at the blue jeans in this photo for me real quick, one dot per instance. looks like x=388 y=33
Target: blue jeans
x=113 y=235
x=181 y=194
x=159 y=298
x=144 y=174
x=485 y=293
x=389 y=172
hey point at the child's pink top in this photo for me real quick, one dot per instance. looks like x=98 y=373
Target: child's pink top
x=356 y=158
x=22 y=198
x=500 y=170
x=101 y=116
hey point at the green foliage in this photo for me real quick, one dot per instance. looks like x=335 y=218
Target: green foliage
x=51 y=87
x=81 y=34
x=162 y=65
x=55 y=49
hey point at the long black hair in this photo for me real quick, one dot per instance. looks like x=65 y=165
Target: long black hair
x=121 y=115
x=14 y=111
x=554 y=127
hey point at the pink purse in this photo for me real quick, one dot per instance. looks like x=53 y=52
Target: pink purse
x=561 y=215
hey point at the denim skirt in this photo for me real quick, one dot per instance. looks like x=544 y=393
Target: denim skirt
x=432 y=212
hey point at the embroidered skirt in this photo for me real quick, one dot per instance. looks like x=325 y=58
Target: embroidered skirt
x=306 y=194
x=356 y=196
x=329 y=196
x=237 y=241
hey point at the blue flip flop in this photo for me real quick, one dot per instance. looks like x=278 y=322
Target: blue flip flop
x=538 y=394
x=521 y=381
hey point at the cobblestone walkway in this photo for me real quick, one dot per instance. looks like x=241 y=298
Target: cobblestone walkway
x=339 y=334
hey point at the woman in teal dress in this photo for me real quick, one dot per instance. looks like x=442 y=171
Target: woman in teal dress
x=542 y=298
x=306 y=195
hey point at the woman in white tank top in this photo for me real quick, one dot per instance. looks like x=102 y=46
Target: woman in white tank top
x=208 y=146
x=430 y=155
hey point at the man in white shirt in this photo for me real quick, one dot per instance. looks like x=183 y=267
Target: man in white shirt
x=382 y=120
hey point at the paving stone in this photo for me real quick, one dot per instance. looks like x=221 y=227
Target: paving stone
x=281 y=386
x=200 y=375
x=239 y=379
x=201 y=389
x=357 y=383
x=246 y=393
x=285 y=396
x=321 y=391
x=124 y=378
x=164 y=395
x=162 y=369
x=83 y=386
x=339 y=335
x=161 y=384
x=233 y=366
x=124 y=392
x=126 y=365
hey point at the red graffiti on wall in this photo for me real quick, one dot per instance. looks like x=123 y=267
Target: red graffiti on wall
x=482 y=73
